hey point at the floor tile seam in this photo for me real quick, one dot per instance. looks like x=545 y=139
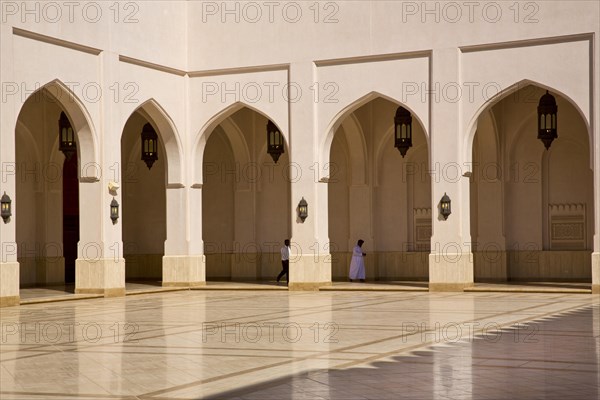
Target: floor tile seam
x=108 y=301
x=189 y=354
x=217 y=378
x=29 y=356
x=70 y=395
x=418 y=360
x=219 y=348
x=524 y=366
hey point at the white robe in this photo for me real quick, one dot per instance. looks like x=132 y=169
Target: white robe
x=357 y=265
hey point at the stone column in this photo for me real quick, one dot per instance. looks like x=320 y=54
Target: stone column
x=451 y=259
x=100 y=266
x=595 y=144
x=310 y=263
x=9 y=266
x=184 y=263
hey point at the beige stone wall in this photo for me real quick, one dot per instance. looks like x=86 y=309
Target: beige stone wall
x=382 y=266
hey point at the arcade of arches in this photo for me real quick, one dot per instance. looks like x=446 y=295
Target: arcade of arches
x=531 y=209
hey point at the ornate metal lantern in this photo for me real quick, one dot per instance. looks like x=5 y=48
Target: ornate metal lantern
x=302 y=209
x=274 y=141
x=66 y=137
x=114 y=210
x=403 y=130
x=149 y=145
x=5 y=207
x=547 y=110
x=445 y=206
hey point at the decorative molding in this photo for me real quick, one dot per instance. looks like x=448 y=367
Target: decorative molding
x=527 y=42
x=239 y=70
x=55 y=41
x=373 y=58
x=422 y=229
x=567 y=226
x=146 y=64
x=88 y=179
x=566 y=209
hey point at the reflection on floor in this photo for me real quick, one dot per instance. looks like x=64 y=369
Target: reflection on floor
x=304 y=345
x=67 y=292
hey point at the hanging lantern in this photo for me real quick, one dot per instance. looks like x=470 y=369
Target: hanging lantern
x=403 y=130
x=445 y=206
x=66 y=137
x=302 y=209
x=114 y=210
x=274 y=141
x=547 y=110
x=5 y=207
x=149 y=145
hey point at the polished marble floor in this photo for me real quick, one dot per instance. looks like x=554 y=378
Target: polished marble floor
x=304 y=345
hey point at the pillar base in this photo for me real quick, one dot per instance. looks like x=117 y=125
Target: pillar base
x=596 y=273
x=9 y=284
x=184 y=271
x=450 y=272
x=310 y=272
x=104 y=276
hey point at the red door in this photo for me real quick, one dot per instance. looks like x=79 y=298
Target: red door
x=70 y=217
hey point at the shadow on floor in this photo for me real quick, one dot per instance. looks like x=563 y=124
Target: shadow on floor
x=553 y=358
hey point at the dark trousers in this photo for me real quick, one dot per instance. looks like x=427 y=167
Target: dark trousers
x=285 y=264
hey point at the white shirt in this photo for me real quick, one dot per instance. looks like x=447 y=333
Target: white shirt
x=285 y=253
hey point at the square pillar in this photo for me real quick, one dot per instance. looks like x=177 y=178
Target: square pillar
x=184 y=262
x=451 y=258
x=310 y=262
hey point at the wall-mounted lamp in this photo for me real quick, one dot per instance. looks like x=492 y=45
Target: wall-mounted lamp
x=303 y=209
x=114 y=210
x=445 y=206
x=5 y=207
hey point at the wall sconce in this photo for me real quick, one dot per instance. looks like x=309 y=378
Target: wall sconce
x=114 y=210
x=303 y=209
x=547 y=110
x=149 y=145
x=5 y=207
x=445 y=206
x=66 y=137
x=403 y=130
x=274 y=141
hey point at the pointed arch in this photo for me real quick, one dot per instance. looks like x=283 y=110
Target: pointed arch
x=234 y=134
x=81 y=121
x=467 y=144
x=341 y=117
x=166 y=129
